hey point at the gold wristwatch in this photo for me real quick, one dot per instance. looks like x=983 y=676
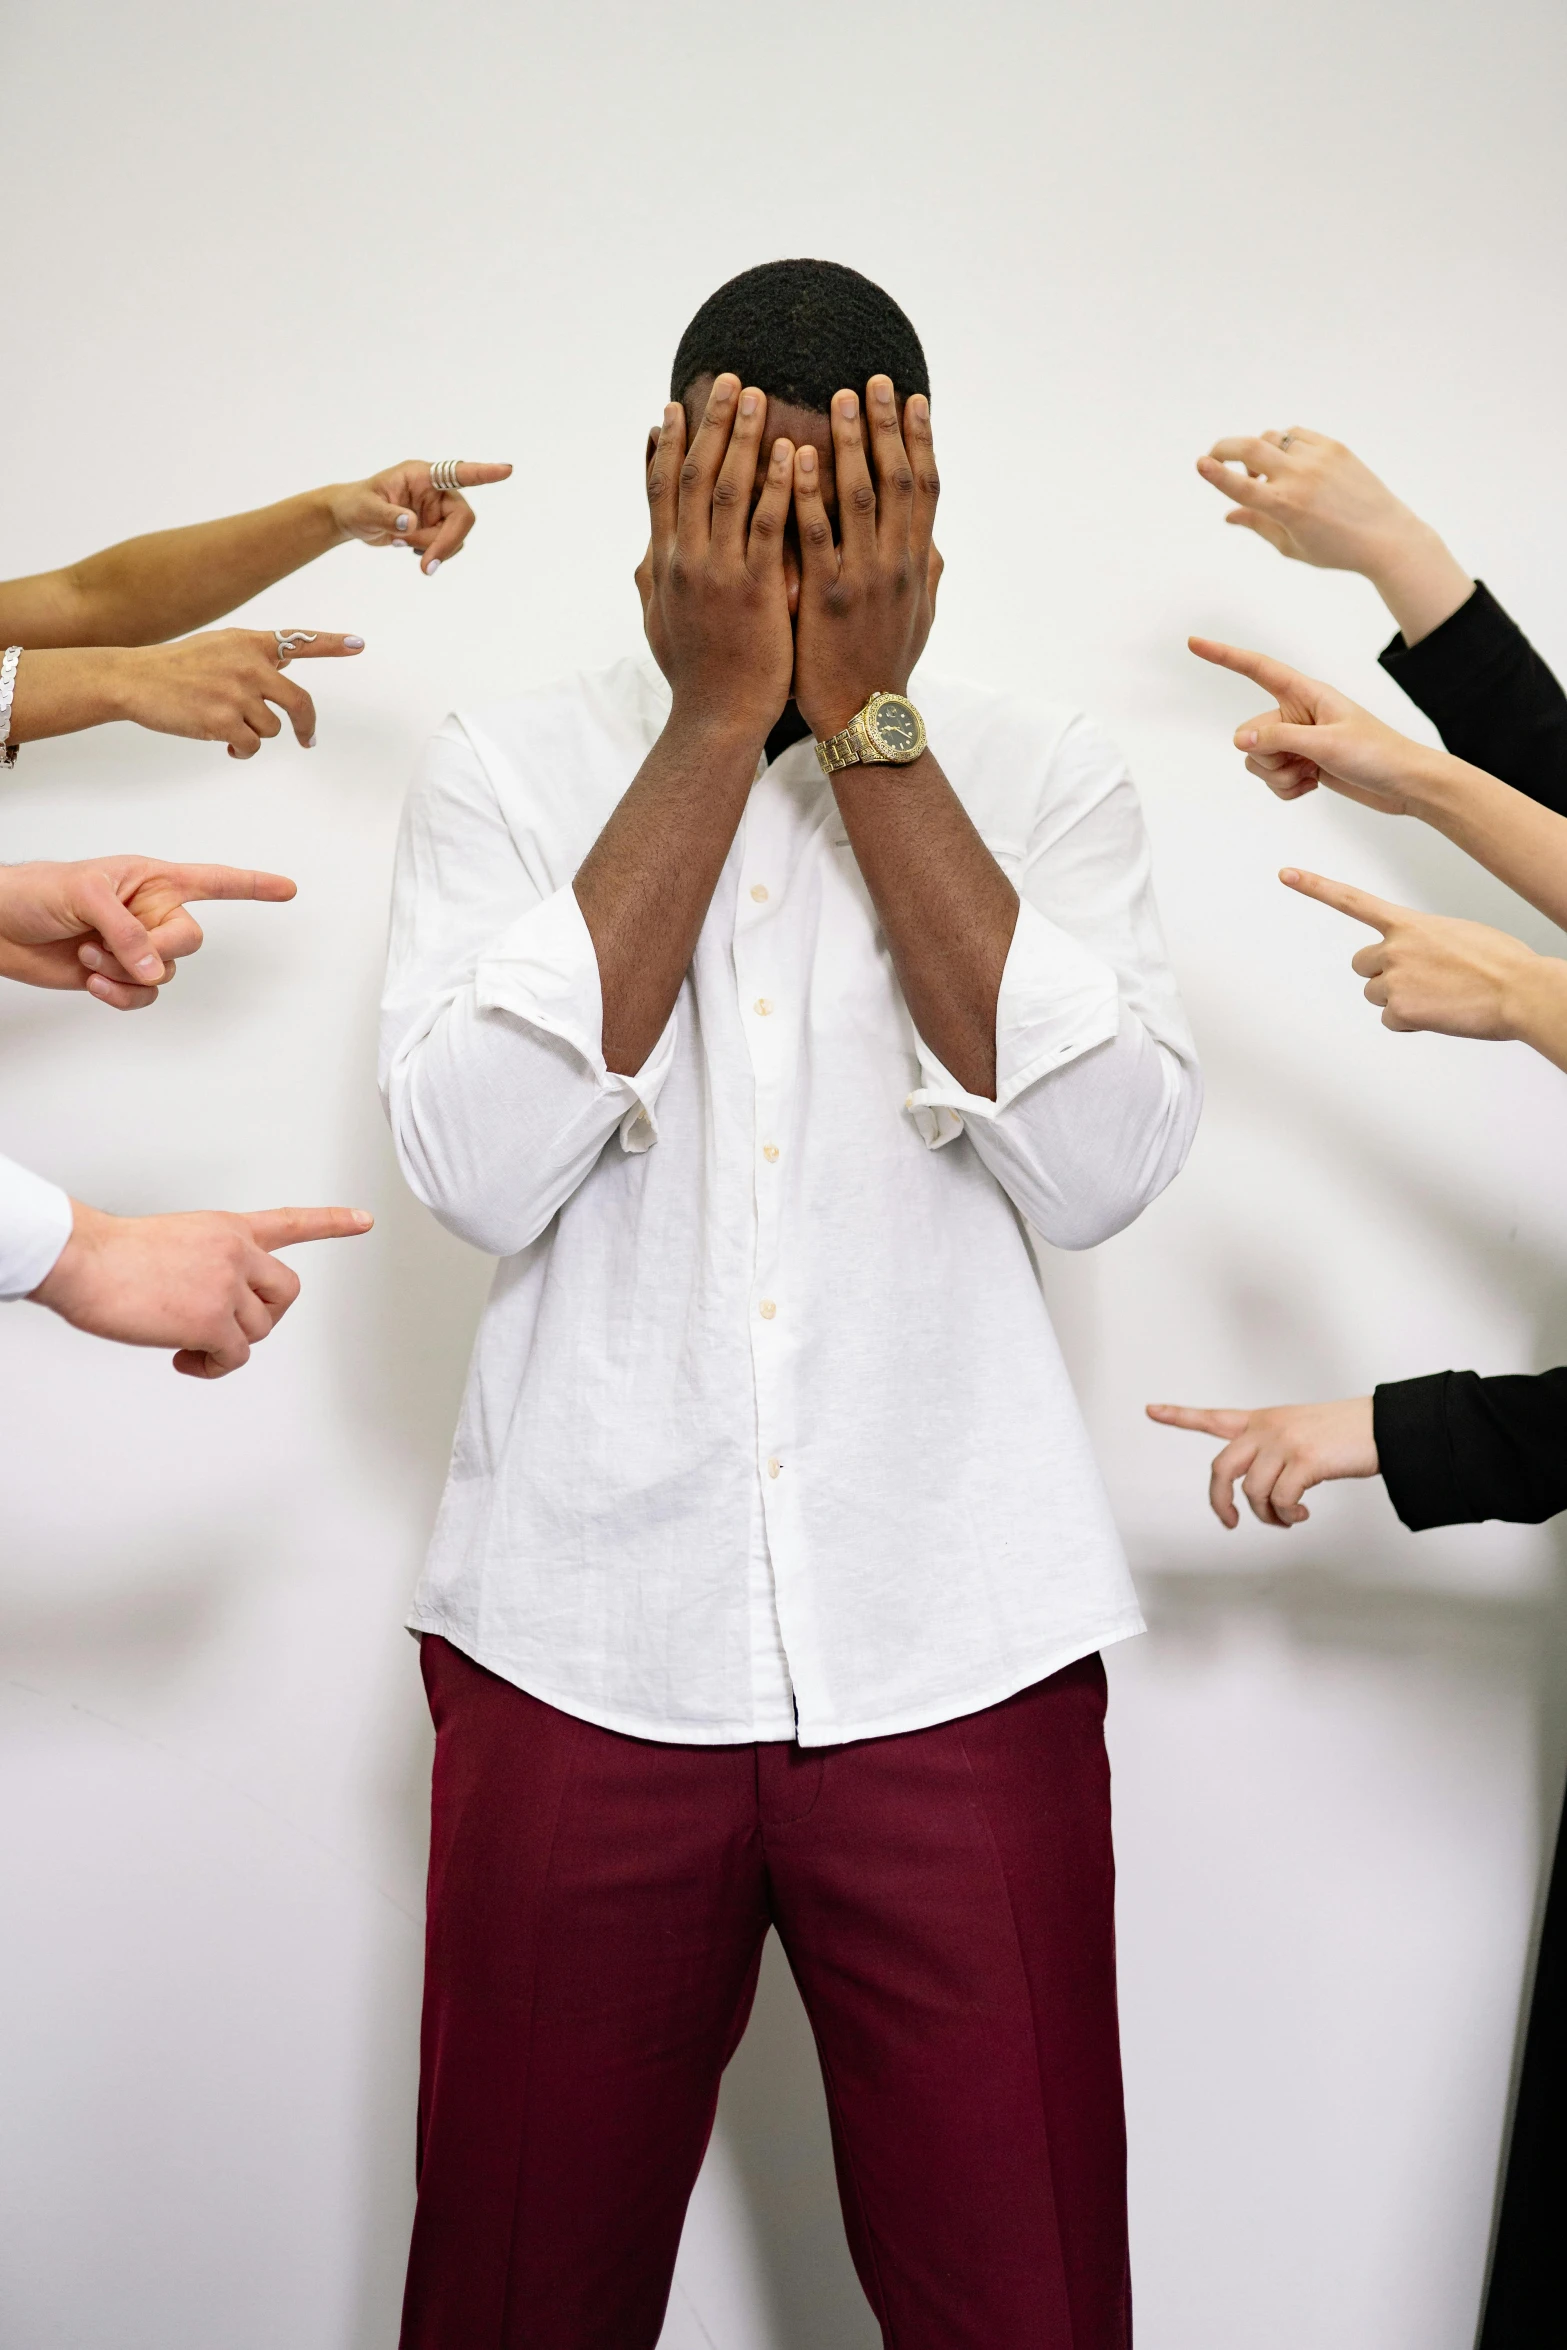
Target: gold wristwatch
x=888 y=732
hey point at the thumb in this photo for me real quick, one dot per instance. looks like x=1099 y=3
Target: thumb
x=272 y=1228
x=126 y=939
x=1272 y=738
x=368 y=514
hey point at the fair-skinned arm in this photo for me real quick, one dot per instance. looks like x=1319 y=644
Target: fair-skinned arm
x=115 y=927
x=1315 y=735
x=146 y=590
x=1279 y=1453
x=1314 y=500
x=1428 y=972
x=867 y=600
x=206 y=1284
x=716 y=613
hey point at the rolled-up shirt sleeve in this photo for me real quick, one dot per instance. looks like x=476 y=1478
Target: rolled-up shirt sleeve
x=35 y=1224
x=492 y=1068
x=1097 y=1089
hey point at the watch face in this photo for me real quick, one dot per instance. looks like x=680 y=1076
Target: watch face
x=896 y=726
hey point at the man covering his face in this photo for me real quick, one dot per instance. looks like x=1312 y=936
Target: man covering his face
x=748 y=1004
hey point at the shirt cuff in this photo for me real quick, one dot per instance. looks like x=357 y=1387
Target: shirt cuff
x=35 y=1224
x=545 y=971
x=1057 y=1002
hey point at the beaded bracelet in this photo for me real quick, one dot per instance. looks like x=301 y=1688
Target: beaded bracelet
x=8 y=749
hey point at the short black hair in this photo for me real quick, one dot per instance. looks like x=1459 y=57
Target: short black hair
x=800 y=331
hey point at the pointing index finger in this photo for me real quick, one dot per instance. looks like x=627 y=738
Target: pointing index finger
x=272 y=1228
x=1275 y=677
x=202 y=882
x=1358 y=904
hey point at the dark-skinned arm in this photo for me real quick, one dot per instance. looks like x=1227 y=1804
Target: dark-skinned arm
x=717 y=618
x=1047 y=1024
x=866 y=604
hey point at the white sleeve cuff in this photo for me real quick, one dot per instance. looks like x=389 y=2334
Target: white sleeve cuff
x=35 y=1224
x=545 y=971
x=1057 y=1002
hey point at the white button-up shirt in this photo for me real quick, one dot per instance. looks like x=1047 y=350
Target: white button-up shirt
x=35 y=1224
x=767 y=1432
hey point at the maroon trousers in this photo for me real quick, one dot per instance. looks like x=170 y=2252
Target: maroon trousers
x=598 y=1906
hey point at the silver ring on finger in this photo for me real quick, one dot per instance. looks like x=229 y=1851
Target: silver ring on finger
x=289 y=641
x=1285 y=439
x=443 y=473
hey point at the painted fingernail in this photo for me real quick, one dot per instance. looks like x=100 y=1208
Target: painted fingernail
x=353 y=644
x=432 y=567
x=403 y=522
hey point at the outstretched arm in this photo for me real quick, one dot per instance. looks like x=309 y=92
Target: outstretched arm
x=1278 y=1454
x=146 y=590
x=113 y=926
x=1317 y=735
x=1315 y=501
x=1458 y=655
x=1429 y=972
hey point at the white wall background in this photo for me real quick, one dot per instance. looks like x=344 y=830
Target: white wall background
x=250 y=249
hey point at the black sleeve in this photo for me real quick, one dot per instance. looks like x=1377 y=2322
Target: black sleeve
x=1490 y=697
x=1455 y=1448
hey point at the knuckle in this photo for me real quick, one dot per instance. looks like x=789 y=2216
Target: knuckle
x=657 y=486
x=930 y=481
x=863 y=498
x=818 y=532
x=726 y=492
x=690 y=473
x=903 y=480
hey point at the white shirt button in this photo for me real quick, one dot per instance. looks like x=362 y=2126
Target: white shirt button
x=767 y=1309
x=769 y=1151
x=759 y=892
x=774 y=1465
x=761 y=1007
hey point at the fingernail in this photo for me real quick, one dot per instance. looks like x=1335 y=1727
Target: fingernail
x=1245 y=740
x=883 y=394
x=921 y=409
x=310 y=746
x=748 y=403
x=353 y=644
x=670 y=413
x=847 y=405
x=807 y=460
x=1289 y=874
x=432 y=567
x=151 y=966
x=403 y=522
x=363 y=1218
